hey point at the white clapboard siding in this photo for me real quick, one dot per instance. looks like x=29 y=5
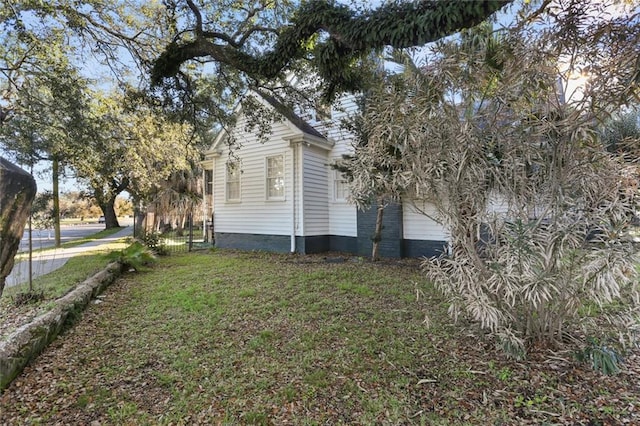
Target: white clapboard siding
x=332 y=127
x=317 y=212
x=254 y=214
x=316 y=191
x=343 y=220
x=418 y=226
x=342 y=215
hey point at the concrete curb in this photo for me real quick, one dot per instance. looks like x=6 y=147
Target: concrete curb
x=27 y=342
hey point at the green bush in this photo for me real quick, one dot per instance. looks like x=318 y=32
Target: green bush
x=154 y=241
x=601 y=358
x=136 y=256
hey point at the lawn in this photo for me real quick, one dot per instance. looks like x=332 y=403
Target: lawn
x=250 y=338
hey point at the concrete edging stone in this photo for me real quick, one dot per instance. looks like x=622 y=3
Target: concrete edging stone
x=28 y=341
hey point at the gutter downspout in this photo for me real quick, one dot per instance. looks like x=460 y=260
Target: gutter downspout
x=293 y=196
x=210 y=213
x=205 y=203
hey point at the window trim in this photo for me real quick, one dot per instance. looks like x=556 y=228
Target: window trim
x=266 y=178
x=338 y=177
x=208 y=182
x=227 y=182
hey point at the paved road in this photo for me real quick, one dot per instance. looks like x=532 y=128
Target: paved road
x=50 y=260
x=42 y=238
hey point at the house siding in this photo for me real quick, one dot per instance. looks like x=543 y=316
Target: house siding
x=421 y=226
x=258 y=242
x=391 y=242
x=315 y=193
x=249 y=214
x=343 y=217
x=497 y=204
x=423 y=236
x=423 y=248
x=282 y=243
x=322 y=221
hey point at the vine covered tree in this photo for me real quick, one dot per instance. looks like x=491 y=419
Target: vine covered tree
x=46 y=117
x=257 y=43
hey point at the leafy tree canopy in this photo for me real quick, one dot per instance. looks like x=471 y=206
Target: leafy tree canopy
x=130 y=146
x=262 y=39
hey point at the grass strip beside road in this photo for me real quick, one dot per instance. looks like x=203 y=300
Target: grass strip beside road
x=59 y=282
x=252 y=338
x=75 y=243
x=53 y=285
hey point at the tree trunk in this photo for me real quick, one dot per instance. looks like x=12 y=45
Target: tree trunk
x=109 y=211
x=55 y=171
x=17 y=191
x=377 y=235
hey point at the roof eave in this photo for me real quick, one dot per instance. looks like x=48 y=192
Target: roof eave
x=311 y=140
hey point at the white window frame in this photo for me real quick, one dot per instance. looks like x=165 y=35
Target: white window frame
x=228 y=182
x=268 y=178
x=208 y=182
x=340 y=180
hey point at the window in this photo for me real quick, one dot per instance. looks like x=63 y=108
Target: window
x=340 y=187
x=275 y=177
x=233 y=181
x=208 y=182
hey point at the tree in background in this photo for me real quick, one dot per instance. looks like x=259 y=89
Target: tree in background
x=73 y=205
x=621 y=135
x=44 y=45
x=78 y=205
x=537 y=211
x=124 y=207
x=129 y=146
x=176 y=199
x=45 y=121
x=42 y=212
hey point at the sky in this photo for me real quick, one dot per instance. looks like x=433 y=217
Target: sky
x=42 y=175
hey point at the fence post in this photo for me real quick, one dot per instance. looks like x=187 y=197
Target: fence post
x=190 y=231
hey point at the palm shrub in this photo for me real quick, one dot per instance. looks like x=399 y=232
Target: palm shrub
x=136 y=256
x=154 y=241
x=537 y=211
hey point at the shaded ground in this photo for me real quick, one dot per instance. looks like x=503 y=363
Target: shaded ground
x=275 y=339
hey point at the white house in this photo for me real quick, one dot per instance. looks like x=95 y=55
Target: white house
x=282 y=195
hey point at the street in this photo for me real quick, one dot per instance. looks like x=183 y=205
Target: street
x=45 y=237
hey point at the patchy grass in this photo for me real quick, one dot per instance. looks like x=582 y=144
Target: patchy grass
x=251 y=338
x=47 y=288
x=61 y=281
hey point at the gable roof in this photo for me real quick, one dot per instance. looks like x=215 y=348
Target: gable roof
x=290 y=116
x=293 y=118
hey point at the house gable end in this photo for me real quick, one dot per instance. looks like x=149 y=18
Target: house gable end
x=301 y=131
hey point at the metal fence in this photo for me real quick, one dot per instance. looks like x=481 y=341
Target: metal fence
x=167 y=239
